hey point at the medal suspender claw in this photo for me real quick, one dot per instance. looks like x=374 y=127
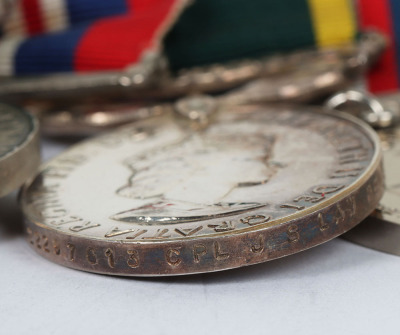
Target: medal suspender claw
x=372 y=110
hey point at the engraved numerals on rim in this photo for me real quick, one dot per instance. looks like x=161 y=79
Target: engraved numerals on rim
x=41 y=241
x=293 y=234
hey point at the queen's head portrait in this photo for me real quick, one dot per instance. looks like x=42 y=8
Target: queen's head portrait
x=205 y=174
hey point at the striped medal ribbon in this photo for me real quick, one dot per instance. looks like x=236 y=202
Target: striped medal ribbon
x=385 y=16
x=47 y=36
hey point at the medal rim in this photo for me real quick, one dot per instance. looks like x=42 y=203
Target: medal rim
x=24 y=157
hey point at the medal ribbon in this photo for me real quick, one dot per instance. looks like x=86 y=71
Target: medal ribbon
x=240 y=28
x=382 y=14
x=45 y=36
x=100 y=34
x=333 y=22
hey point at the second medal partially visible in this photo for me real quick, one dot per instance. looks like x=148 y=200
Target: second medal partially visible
x=19 y=147
x=381 y=231
x=240 y=186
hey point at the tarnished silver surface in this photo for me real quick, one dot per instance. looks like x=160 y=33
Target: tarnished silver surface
x=19 y=147
x=303 y=85
x=150 y=80
x=160 y=198
x=84 y=120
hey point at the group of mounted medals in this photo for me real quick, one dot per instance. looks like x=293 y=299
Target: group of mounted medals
x=255 y=170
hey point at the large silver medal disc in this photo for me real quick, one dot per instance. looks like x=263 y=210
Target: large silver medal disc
x=157 y=198
x=19 y=147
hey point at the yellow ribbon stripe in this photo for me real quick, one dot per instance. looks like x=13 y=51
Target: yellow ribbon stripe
x=333 y=21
